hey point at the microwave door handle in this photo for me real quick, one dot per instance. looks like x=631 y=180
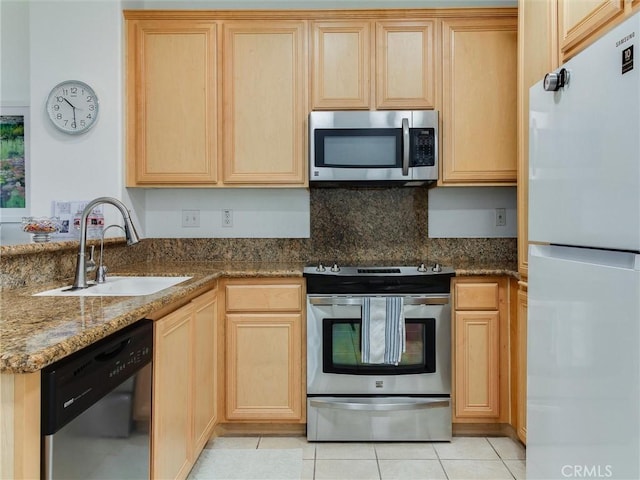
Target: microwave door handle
x=405 y=147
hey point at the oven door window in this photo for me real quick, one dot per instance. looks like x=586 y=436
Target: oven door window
x=342 y=348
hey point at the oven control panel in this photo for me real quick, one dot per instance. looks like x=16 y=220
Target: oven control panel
x=373 y=280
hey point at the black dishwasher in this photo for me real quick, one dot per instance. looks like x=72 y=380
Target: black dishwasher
x=96 y=406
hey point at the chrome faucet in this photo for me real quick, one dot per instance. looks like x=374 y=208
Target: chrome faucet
x=80 y=280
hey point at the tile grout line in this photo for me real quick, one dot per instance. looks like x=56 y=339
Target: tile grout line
x=501 y=459
x=375 y=451
x=440 y=462
x=315 y=459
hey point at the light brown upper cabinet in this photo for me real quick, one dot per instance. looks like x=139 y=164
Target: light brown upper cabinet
x=265 y=102
x=341 y=67
x=177 y=93
x=580 y=21
x=479 y=115
x=357 y=62
x=405 y=64
x=221 y=98
x=171 y=102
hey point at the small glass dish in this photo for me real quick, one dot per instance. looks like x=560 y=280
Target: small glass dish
x=41 y=227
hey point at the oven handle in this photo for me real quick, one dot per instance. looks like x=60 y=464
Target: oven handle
x=349 y=301
x=417 y=405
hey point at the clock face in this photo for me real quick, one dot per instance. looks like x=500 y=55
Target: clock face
x=72 y=107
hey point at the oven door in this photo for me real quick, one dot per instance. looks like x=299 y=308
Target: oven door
x=334 y=364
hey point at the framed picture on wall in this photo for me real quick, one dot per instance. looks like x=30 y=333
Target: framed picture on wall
x=14 y=163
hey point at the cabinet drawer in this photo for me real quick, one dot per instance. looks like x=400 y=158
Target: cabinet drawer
x=253 y=298
x=477 y=296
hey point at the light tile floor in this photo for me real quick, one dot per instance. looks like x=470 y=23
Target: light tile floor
x=465 y=458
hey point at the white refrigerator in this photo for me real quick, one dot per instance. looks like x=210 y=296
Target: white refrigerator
x=583 y=351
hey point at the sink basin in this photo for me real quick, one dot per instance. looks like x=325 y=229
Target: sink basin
x=118 y=286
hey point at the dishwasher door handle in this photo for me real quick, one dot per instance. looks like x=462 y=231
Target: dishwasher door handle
x=418 y=404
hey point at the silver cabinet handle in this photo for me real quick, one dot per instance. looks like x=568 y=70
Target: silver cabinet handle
x=405 y=147
x=417 y=405
x=356 y=301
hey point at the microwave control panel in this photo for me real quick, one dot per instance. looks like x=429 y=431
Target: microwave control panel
x=422 y=150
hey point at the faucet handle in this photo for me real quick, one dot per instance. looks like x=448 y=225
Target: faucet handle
x=90 y=264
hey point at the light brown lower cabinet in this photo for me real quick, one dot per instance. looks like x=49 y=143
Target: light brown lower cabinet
x=480 y=350
x=264 y=324
x=521 y=421
x=184 y=386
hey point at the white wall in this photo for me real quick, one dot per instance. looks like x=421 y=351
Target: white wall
x=14 y=53
x=471 y=212
x=272 y=213
x=76 y=40
x=14 y=78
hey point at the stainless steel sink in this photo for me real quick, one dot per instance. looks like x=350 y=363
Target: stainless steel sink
x=118 y=286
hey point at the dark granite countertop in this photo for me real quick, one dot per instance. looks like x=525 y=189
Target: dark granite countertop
x=37 y=331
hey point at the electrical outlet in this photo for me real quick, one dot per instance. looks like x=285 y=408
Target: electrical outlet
x=501 y=217
x=227 y=217
x=190 y=218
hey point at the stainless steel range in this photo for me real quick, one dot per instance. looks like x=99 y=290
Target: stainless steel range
x=351 y=397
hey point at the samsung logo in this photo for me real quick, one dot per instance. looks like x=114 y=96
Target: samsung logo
x=625 y=39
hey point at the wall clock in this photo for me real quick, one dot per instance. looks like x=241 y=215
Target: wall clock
x=72 y=107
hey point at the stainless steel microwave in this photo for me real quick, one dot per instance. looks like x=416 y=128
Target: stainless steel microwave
x=373 y=148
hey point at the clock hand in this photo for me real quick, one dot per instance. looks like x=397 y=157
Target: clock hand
x=74 y=108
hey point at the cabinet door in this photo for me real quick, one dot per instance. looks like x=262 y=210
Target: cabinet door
x=405 y=64
x=537 y=55
x=477 y=387
x=521 y=425
x=579 y=20
x=341 y=68
x=481 y=350
x=205 y=312
x=263 y=366
x=172 y=393
x=265 y=107
x=479 y=101
x=171 y=102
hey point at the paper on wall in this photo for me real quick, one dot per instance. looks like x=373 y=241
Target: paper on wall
x=70 y=212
